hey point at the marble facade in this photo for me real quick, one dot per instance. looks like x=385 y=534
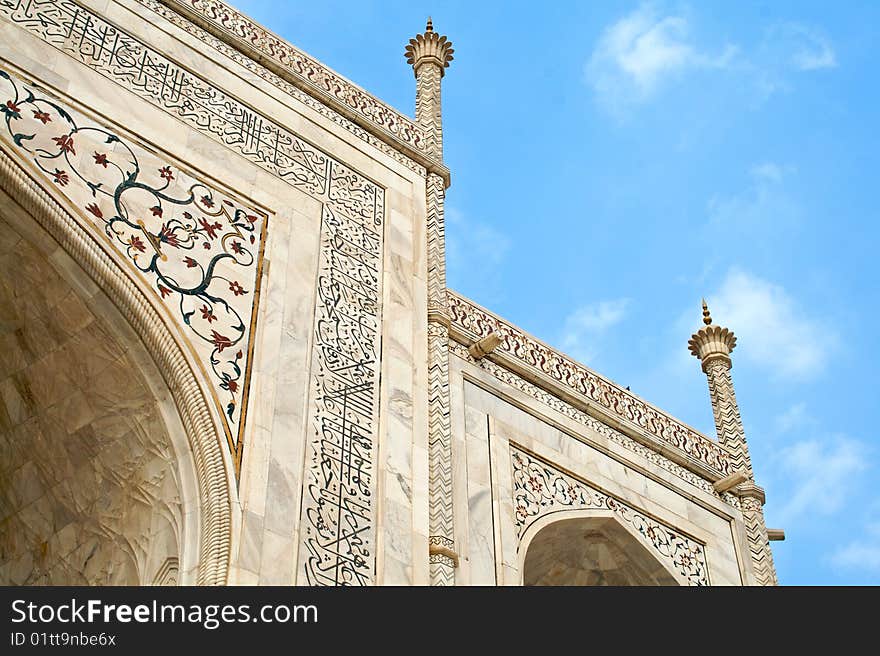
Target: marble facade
x=232 y=357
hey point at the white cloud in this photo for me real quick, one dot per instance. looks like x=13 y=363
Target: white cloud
x=794 y=418
x=768 y=171
x=861 y=553
x=823 y=474
x=811 y=50
x=475 y=252
x=586 y=325
x=642 y=51
x=635 y=55
x=772 y=331
x=762 y=209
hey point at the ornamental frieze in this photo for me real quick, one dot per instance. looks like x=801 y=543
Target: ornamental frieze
x=302 y=69
x=473 y=320
x=540 y=489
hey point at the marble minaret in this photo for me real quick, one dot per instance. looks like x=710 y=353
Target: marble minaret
x=713 y=345
x=430 y=54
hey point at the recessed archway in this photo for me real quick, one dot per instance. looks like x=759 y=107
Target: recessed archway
x=203 y=473
x=584 y=548
x=93 y=484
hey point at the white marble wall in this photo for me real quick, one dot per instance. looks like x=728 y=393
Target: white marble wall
x=267 y=518
x=489 y=416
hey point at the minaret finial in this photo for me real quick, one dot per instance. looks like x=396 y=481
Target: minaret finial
x=707 y=318
x=429 y=27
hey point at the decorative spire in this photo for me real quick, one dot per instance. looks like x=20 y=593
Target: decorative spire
x=429 y=47
x=711 y=342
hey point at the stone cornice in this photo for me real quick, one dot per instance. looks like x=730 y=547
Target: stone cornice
x=292 y=65
x=560 y=375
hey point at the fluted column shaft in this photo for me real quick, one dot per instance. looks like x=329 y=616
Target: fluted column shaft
x=713 y=345
x=428 y=106
x=728 y=425
x=429 y=54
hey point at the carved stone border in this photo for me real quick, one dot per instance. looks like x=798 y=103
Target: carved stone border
x=294 y=66
x=256 y=67
x=570 y=411
x=540 y=489
x=565 y=378
x=206 y=440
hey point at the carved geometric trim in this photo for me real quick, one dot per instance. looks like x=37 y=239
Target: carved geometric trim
x=255 y=67
x=304 y=72
x=198 y=249
x=474 y=322
x=127 y=61
x=205 y=439
x=540 y=489
x=554 y=402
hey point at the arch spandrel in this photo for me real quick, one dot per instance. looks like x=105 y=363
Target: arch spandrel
x=544 y=494
x=67 y=221
x=196 y=251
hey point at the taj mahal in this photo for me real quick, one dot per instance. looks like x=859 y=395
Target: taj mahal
x=231 y=356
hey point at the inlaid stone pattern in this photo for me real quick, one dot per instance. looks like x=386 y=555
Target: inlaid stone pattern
x=540 y=489
x=197 y=248
x=89 y=490
x=337 y=518
x=306 y=71
x=548 y=362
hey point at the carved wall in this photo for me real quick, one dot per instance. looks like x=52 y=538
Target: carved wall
x=337 y=509
x=541 y=489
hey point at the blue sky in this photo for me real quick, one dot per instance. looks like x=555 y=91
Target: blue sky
x=614 y=162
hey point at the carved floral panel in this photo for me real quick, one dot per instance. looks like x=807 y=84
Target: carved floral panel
x=540 y=489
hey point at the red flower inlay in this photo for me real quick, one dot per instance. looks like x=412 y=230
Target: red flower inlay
x=220 y=341
x=65 y=143
x=167 y=236
x=166 y=173
x=190 y=263
x=236 y=248
x=100 y=159
x=61 y=177
x=94 y=209
x=207 y=314
x=137 y=243
x=164 y=291
x=207 y=245
x=156 y=210
x=236 y=289
x=206 y=200
x=251 y=218
x=210 y=228
x=12 y=108
x=43 y=117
